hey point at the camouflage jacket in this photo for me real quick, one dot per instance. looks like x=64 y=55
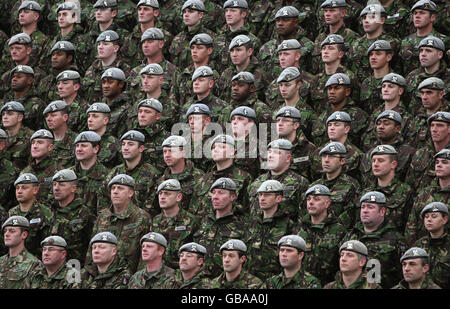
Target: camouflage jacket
x=15 y=271
x=398 y=20
x=154 y=280
x=302 y=157
x=361 y=283
x=243 y=281
x=64 y=150
x=301 y=280
x=128 y=226
x=199 y=281
x=77 y=121
x=109 y=154
x=421 y=131
x=370 y=96
x=427 y=284
x=116 y=276
x=220 y=110
x=59 y=280
x=18 y=148
x=119 y=108
x=8 y=174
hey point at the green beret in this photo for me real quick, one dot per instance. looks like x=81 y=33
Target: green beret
x=373 y=9
x=288 y=74
x=439 y=116
x=224 y=183
x=333 y=39
x=202 y=71
x=287 y=12
x=193 y=247
x=174 y=141
x=394 y=78
x=293 y=241
x=64 y=46
x=87 y=136
x=333 y=4
x=433 y=83
x=434 y=207
x=30 y=6
x=202 y=39
x=68 y=75
x=333 y=148
x=42 y=133
x=433 y=42
x=108 y=36
x=224 y=139
x=234 y=245
x=54 y=241
x=338 y=79
x=55 y=106
x=122 y=179
x=391 y=115
x=194 y=5
x=169 y=185
x=354 y=246
x=151 y=103
x=64 y=176
x=414 y=253
x=239 y=40
x=288 y=45
x=22 y=69
x=152 y=34
x=289 y=112
x=373 y=197
x=241 y=4
x=152 y=3
x=105 y=4
x=198 y=109
x=3 y=134
x=245 y=77
x=152 y=69
x=426 y=5
x=133 y=135
x=105 y=237
x=379 y=45
x=318 y=190
x=444 y=154
x=244 y=111
x=99 y=107
x=26 y=178
x=156 y=238
x=21 y=38
x=17 y=221
x=66 y=6
x=340 y=117
x=383 y=150
x=13 y=106
x=283 y=144
x=270 y=186
x=114 y=73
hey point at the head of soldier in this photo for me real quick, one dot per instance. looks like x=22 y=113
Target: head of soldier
x=174 y=151
x=15 y=232
x=242 y=86
x=289 y=83
x=3 y=140
x=63 y=54
x=22 y=78
x=149 y=112
x=373 y=210
x=223 y=194
x=439 y=124
x=353 y=257
x=68 y=84
x=122 y=191
x=198 y=117
x=201 y=49
x=291 y=251
x=423 y=15
x=153 y=247
x=105 y=12
x=373 y=18
x=99 y=115
x=388 y=126
x=442 y=165
x=64 y=187
x=12 y=116
x=431 y=51
x=338 y=89
x=41 y=145
x=241 y=51
x=104 y=250
x=169 y=196
x=132 y=145
x=191 y=259
x=279 y=155
x=29 y=14
x=333 y=158
x=27 y=189
x=53 y=253
x=392 y=88
x=152 y=43
x=435 y=219
x=432 y=94
x=234 y=255
x=56 y=115
x=334 y=13
x=108 y=46
x=223 y=149
x=288 y=121
x=270 y=195
x=202 y=82
x=317 y=202
x=147 y=11
x=193 y=12
x=87 y=147
x=20 y=48
x=235 y=13
x=339 y=126
x=287 y=22
x=152 y=79
x=332 y=49
x=380 y=55
x=243 y=122
x=113 y=83
x=289 y=53
x=415 y=266
x=384 y=162
x=66 y=15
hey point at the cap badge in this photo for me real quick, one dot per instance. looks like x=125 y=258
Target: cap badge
x=350 y=246
x=289 y=242
x=287 y=113
x=230 y=246
x=15 y=222
x=332 y=149
x=340 y=80
x=108 y=38
x=194 y=248
x=381 y=148
x=430 y=43
x=65 y=75
x=122 y=180
x=27 y=177
x=317 y=190
x=20 y=68
x=394 y=78
x=331 y=40
x=152 y=237
x=109 y=74
x=415 y=252
x=196 y=109
x=269 y=188
x=94 y=107
x=338 y=116
x=62 y=46
x=104 y=237
x=373 y=198
x=285 y=13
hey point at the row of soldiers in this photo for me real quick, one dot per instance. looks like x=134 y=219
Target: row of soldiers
x=327 y=134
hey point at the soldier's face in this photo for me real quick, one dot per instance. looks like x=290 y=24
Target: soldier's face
x=241 y=126
x=151 y=83
x=349 y=262
x=106 y=50
x=26 y=192
x=189 y=261
x=286 y=125
x=413 y=270
x=422 y=18
x=222 y=199
x=382 y=165
x=371 y=214
x=317 y=204
x=429 y=56
x=97 y=121
x=277 y=159
x=337 y=94
x=173 y=155
x=103 y=253
x=197 y=123
x=19 y=52
x=111 y=88
x=331 y=53
x=202 y=85
x=234 y=16
x=131 y=149
x=289 y=90
x=28 y=17
x=59 y=59
x=434 y=221
x=85 y=151
x=11 y=119
x=146 y=14
x=379 y=59
x=13 y=236
x=67 y=88
x=289 y=257
x=221 y=152
x=390 y=91
x=268 y=200
x=288 y=58
x=56 y=120
x=168 y=199
x=21 y=81
x=63 y=190
x=192 y=18
x=151 y=251
x=431 y=98
x=442 y=167
x=148 y=116
x=66 y=18
x=286 y=26
x=121 y=195
x=240 y=54
x=200 y=53
x=371 y=23
x=152 y=47
x=40 y=148
x=337 y=130
x=333 y=16
x=331 y=163
x=105 y=15
x=439 y=131
x=387 y=129
x=240 y=91
x=53 y=255
x=231 y=261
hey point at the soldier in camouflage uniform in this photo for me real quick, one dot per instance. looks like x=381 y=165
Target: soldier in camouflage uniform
x=437 y=242
x=72 y=218
x=107 y=270
x=155 y=275
x=39 y=215
x=265 y=230
x=352 y=261
x=291 y=254
x=223 y=225
x=176 y=224
x=53 y=273
x=7 y=175
x=234 y=275
x=437 y=191
x=124 y=219
x=126 y=10
x=18 y=264
x=322 y=233
x=383 y=242
x=415 y=267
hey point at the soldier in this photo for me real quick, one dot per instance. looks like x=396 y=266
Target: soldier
x=56 y=116
x=291 y=254
x=62 y=58
x=234 y=276
x=322 y=233
x=424 y=14
x=98 y=117
x=144 y=174
x=384 y=243
x=155 y=275
x=225 y=223
x=266 y=229
x=18 y=264
x=279 y=159
x=124 y=218
x=388 y=128
x=179 y=168
x=437 y=191
x=18 y=136
x=352 y=261
x=7 y=174
x=242 y=58
x=191 y=274
x=39 y=215
x=108 y=47
x=193 y=12
x=53 y=273
x=415 y=267
x=73 y=219
x=107 y=270
x=435 y=219
x=432 y=101
x=176 y=224
x=398 y=20
x=339 y=89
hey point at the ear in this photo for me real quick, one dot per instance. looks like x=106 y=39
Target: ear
x=209 y=50
x=341 y=54
x=51 y=146
x=207 y=121
x=389 y=57
x=66 y=117
x=76 y=87
x=20 y=117
x=155 y=12
x=29 y=50
x=179 y=197
x=298 y=55
x=348 y=91
x=141 y=148
x=296 y=125
x=114 y=13
x=158 y=116
x=347 y=129
x=250 y=52
x=96 y=149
